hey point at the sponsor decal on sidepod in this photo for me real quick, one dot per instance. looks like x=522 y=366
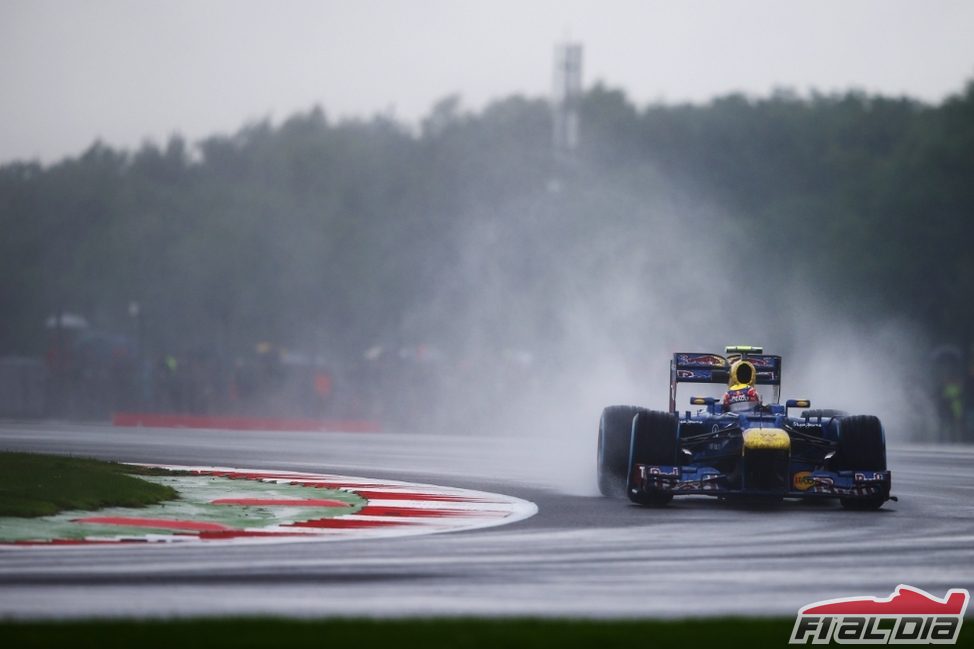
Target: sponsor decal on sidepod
x=908 y=616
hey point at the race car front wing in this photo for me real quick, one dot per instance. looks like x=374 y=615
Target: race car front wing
x=708 y=481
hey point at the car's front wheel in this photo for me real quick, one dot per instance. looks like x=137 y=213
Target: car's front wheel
x=615 y=432
x=862 y=447
x=654 y=442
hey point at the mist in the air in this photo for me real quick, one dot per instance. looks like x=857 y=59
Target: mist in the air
x=576 y=296
x=466 y=279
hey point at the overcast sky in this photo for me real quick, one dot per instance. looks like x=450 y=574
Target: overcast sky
x=127 y=70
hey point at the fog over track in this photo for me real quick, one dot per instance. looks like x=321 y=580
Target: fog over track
x=581 y=555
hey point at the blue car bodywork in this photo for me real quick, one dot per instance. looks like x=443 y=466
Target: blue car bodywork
x=760 y=453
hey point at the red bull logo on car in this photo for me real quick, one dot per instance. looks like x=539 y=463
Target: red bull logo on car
x=705 y=360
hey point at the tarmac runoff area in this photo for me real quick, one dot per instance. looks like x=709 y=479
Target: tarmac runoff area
x=580 y=555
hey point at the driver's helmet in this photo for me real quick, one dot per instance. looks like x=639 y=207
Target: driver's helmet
x=741 y=395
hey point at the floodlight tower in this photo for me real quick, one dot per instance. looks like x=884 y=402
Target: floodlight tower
x=566 y=96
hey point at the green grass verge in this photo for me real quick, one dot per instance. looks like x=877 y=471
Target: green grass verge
x=348 y=634
x=34 y=485
x=454 y=633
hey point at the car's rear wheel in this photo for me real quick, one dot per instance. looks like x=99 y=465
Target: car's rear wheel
x=862 y=447
x=615 y=433
x=654 y=442
x=824 y=413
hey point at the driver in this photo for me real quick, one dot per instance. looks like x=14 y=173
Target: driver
x=741 y=395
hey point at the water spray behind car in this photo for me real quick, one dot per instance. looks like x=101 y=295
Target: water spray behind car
x=561 y=304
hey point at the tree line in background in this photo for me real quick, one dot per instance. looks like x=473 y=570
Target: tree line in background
x=341 y=237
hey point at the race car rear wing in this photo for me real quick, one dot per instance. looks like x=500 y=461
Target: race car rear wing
x=696 y=367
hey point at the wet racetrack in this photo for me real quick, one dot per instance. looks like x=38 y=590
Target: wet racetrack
x=581 y=555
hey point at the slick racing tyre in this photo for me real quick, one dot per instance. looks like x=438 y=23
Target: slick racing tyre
x=824 y=413
x=654 y=441
x=615 y=433
x=862 y=447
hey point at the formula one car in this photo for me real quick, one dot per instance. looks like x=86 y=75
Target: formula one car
x=739 y=446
